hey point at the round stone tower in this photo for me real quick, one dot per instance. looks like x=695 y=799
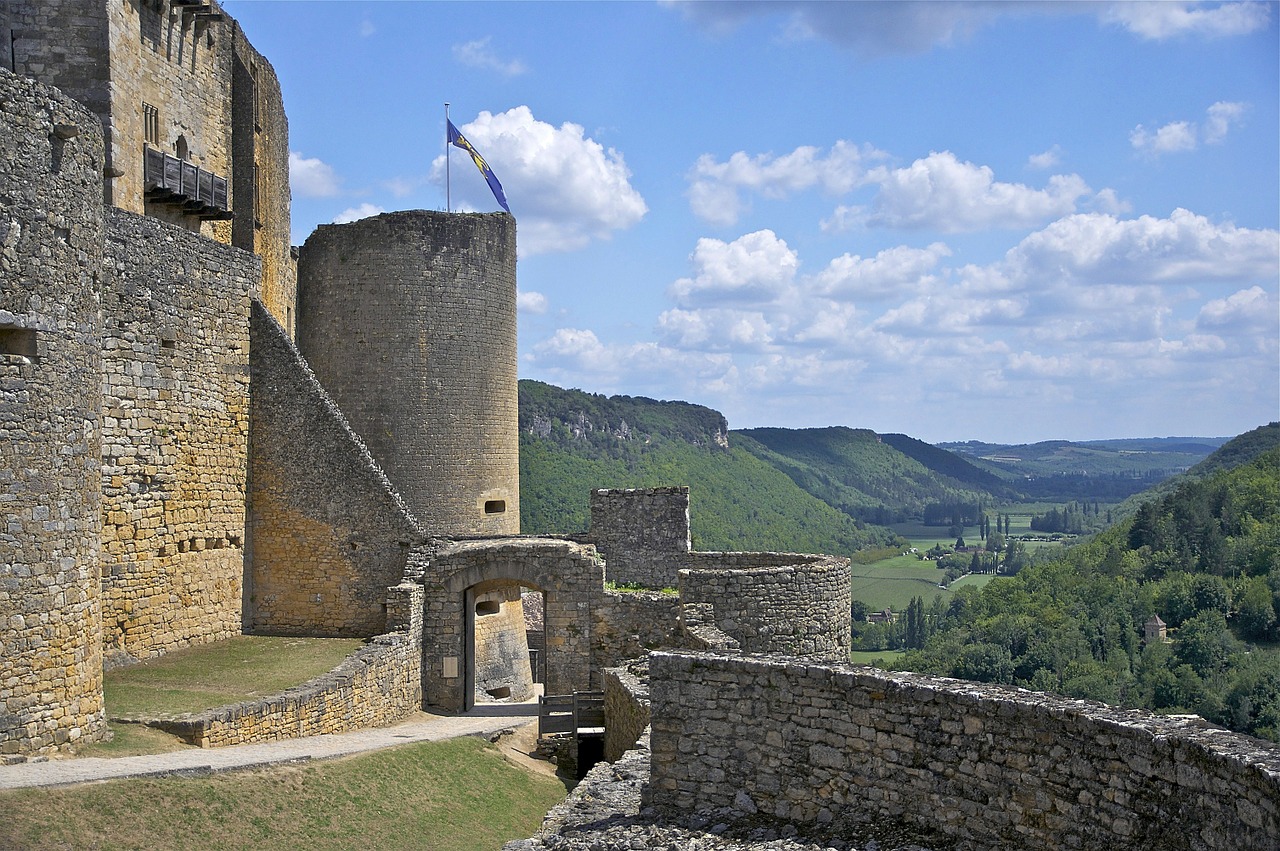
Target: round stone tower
x=51 y=229
x=409 y=321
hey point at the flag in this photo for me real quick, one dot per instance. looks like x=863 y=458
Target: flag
x=460 y=141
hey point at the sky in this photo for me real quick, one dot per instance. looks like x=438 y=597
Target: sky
x=994 y=221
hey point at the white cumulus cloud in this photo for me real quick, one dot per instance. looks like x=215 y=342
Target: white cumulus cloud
x=311 y=177
x=564 y=188
x=942 y=193
x=754 y=268
x=716 y=188
x=1159 y=21
x=531 y=302
x=1187 y=135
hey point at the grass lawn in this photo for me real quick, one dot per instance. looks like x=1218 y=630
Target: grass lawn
x=893 y=582
x=456 y=795
x=241 y=668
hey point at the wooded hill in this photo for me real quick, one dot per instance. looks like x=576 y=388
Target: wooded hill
x=1204 y=556
x=808 y=490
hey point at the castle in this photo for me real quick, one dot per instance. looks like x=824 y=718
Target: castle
x=208 y=432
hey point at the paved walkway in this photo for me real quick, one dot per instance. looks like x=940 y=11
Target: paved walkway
x=422 y=727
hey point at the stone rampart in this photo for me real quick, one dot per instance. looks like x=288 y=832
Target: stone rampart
x=51 y=231
x=640 y=532
x=989 y=766
x=378 y=684
x=175 y=415
x=327 y=534
x=774 y=602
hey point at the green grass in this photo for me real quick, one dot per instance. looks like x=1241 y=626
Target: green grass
x=241 y=668
x=893 y=582
x=456 y=795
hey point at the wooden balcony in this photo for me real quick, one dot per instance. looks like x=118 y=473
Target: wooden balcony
x=169 y=180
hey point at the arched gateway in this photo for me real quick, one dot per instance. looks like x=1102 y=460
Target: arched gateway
x=571 y=578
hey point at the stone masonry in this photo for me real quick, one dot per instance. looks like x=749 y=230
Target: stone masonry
x=51 y=226
x=640 y=532
x=988 y=766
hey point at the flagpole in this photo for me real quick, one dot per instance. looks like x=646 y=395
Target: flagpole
x=448 y=203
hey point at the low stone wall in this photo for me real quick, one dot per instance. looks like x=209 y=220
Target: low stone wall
x=627 y=624
x=989 y=766
x=698 y=630
x=378 y=684
x=774 y=602
x=626 y=707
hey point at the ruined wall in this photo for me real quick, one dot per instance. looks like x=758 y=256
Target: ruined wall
x=327 y=535
x=640 y=531
x=627 y=624
x=989 y=766
x=774 y=602
x=175 y=434
x=378 y=684
x=501 y=646
x=409 y=321
x=50 y=433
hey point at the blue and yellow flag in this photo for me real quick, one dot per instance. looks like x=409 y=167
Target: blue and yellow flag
x=458 y=140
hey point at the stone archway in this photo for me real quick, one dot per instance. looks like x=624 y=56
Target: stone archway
x=571 y=579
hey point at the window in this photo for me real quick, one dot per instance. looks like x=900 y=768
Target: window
x=20 y=342
x=150 y=124
x=487 y=607
x=495 y=506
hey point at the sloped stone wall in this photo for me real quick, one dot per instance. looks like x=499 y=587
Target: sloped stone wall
x=327 y=533
x=989 y=766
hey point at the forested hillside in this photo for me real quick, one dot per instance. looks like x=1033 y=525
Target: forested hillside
x=1204 y=557
x=572 y=442
x=864 y=475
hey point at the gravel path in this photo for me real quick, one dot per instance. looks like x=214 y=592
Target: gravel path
x=422 y=727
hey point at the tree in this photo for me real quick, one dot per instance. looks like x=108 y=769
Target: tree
x=1204 y=642
x=858 y=610
x=1257 y=615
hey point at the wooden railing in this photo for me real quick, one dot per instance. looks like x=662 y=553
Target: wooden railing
x=169 y=180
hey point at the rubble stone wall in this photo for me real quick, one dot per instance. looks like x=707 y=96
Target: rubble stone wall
x=774 y=602
x=640 y=532
x=989 y=766
x=175 y=426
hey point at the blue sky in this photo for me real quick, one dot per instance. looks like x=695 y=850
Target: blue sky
x=997 y=221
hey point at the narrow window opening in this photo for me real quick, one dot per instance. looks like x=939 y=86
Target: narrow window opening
x=18 y=341
x=168 y=344
x=499 y=693
x=495 y=506
x=487 y=607
x=182 y=149
x=151 y=124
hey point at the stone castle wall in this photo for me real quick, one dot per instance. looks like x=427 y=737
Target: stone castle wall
x=51 y=229
x=409 y=321
x=774 y=602
x=327 y=534
x=627 y=624
x=988 y=766
x=175 y=413
x=217 y=101
x=640 y=532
